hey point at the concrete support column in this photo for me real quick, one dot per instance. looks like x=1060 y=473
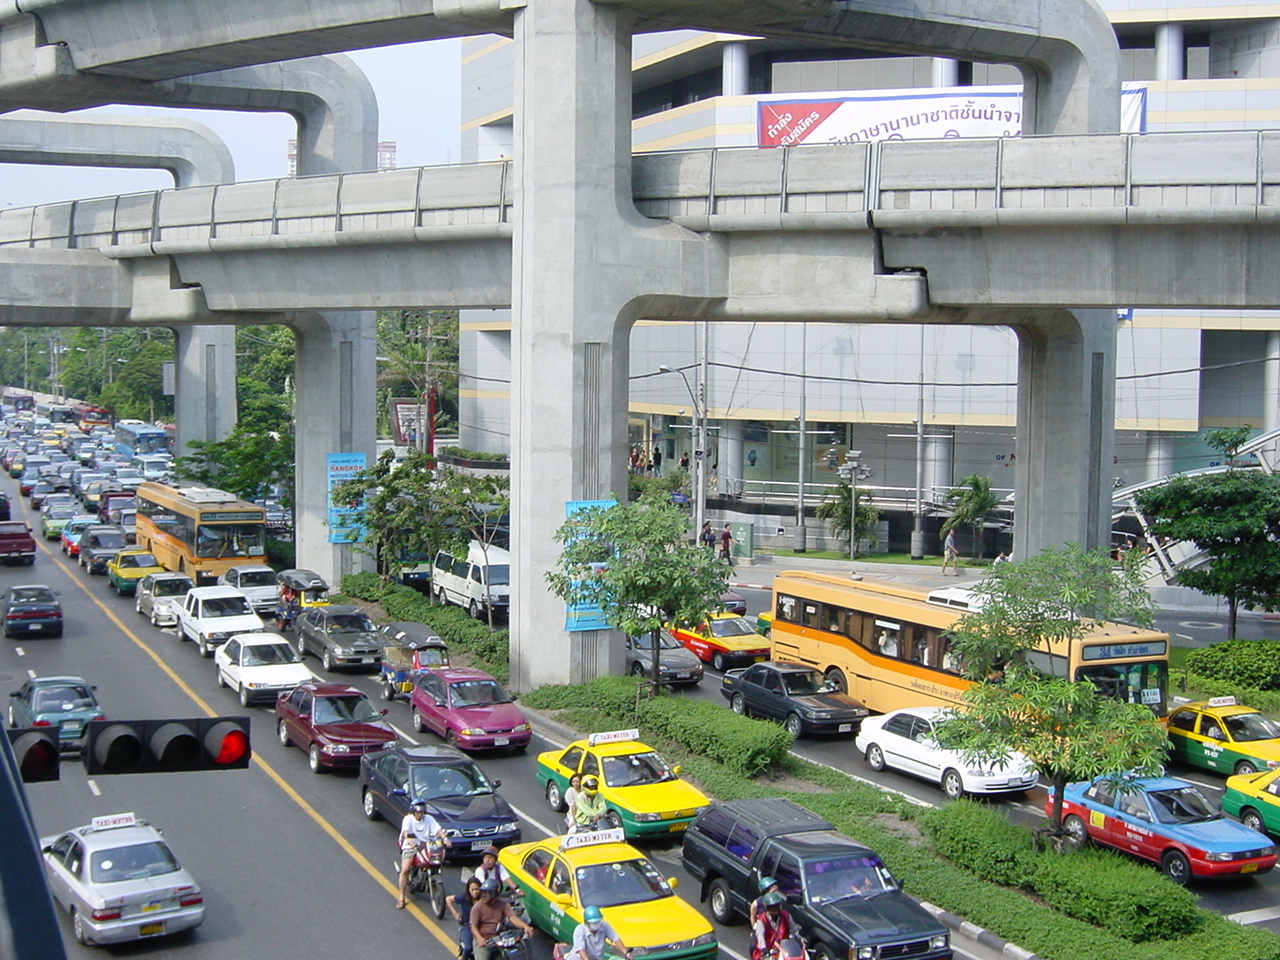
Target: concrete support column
x=204 y=395
x=1066 y=428
x=1271 y=383
x=1159 y=455
x=1171 y=52
x=945 y=72
x=939 y=455
x=735 y=70
x=334 y=413
x=731 y=457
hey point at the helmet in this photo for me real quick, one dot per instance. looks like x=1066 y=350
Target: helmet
x=490 y=885
x=592 y=915
x=493 y=851
x=419 y=804
x=766 y=883
x=590 y=784
x=773 y=899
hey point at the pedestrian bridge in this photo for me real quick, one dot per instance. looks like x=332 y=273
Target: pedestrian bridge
x=1173 y=220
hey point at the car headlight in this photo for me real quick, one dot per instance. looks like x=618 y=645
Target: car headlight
x=1272 y=764
x=862 y=953
x=472 y=732
x=521 y=728
x=219 y=635
x=451 y=832
x=939 y=942
x=339 y=748
x=1219 y=857
x=253 y=686
x=648 y=817
x=342 y=651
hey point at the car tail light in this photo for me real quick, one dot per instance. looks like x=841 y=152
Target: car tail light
x=191 y=900
x=108 y=913
x=41 y=723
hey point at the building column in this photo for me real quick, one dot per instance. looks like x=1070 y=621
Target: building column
x=939 y=456
x=1066 y=429
x=945 y=72
x=731 y=457
x=1159 y=455
x=204 y=391
x=735 y=70
x=1171 y=52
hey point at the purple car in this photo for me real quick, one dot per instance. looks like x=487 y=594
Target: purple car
x=469 y=709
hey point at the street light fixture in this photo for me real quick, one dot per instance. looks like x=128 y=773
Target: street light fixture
x=849 y=471
x=699 y=451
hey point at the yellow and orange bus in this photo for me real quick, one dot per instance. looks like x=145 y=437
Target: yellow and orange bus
x=887 y=644
x=200 y=531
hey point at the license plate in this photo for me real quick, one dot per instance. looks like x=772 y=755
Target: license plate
x=682 y=676
x=150 y=907
x=676 y=827
x=480 y=844
x=846 y=728
x=501 y=741
x=71 y=726
x=763 y=656
x=150 y=929
x=35 y=626
x=1248 y=868
x=368 y=660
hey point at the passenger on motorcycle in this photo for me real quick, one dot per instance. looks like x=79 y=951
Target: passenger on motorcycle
x=487 y=916
x=592 y=935
x=460 y=905
x=771 y=927
x=416 y=828
x=757 y=905
x=490 y=869
x=588 y=806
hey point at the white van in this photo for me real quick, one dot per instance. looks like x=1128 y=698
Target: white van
x=152 y=467
x=481 y=579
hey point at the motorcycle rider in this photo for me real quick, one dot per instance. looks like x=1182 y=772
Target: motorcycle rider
x=592 y=935
x=588 y=806
x=416 y=828
x=487 y=916
x=771 y=927
x=460 y=905
x=757 y=905
x=490 y=869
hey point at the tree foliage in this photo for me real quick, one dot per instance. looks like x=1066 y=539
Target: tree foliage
x=248 y=463
x=1069 y=730
x=971 y=504
x=843 y=505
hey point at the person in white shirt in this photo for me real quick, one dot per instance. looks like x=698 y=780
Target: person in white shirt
x=416 y=828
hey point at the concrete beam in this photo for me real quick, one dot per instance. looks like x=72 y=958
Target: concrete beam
x=63 y=288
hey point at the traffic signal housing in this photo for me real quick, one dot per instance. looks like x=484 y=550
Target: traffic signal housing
x=36 y=751
x=167 y=746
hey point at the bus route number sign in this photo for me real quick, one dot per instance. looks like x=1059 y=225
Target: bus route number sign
x=1115 y=651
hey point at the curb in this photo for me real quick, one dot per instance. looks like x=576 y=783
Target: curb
x=979 y=934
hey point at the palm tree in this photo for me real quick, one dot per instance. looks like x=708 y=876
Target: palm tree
x=839 y=509
x=972 y=501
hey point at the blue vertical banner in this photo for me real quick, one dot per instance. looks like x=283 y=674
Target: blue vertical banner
x=342 y=467
x=582 y=616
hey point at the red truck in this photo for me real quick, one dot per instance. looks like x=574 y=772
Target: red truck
x=16 y=542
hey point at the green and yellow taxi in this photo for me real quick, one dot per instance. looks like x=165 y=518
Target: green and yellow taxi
x=1254 y=800
x=644 y=796
x=562 y=876
x=127 y=567
x=725 y=640
x=1223 y=736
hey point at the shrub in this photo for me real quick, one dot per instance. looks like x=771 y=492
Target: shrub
x=980 y=839
x=1248 y=663
x=1268 y=701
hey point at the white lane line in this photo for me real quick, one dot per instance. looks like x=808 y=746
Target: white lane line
x=19 y=651
x=731 y=952
x=404 y=736
x=871 y=783
x=1255 y=916
x=31 y=674
x=1183 y=636
x=93 y=788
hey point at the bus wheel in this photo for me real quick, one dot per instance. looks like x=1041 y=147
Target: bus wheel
x=835 y=677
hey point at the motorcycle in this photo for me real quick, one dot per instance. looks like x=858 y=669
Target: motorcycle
x=425 y=875
x=511 y=942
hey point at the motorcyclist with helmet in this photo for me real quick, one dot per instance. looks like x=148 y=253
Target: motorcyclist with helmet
x=592 y=935
x=588 y=806
x=757 y=905
x=771 y=927
x=488 y=916
x=417 y=828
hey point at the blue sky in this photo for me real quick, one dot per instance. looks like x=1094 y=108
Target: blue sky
x=418 y=91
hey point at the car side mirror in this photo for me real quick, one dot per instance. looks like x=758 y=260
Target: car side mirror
x=57 y=593
x=515 y=697
x=562 y=900
x=383 y=712
x=676 y=769
x=776 y=693
x=399 y=792
x=497 y=784
x=673 y=882
x=46 y=849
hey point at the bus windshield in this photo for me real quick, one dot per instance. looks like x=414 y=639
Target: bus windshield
x=229 y=540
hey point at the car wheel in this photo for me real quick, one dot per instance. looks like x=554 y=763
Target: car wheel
x=1244 y=766
x=12 y=720
x=440 y=597
x=244 y=695
x=611 y=820
x=875 y=757
x=555 y=799
x=717 y=661
x=793 y=725
x=821 y=952
x=953 y=784
x=77 y=928
x=302 y=648
x=1248 y=816
x=473 y=611
x=835 y=677
x=137 y=606
x=720 y=902
x=450 y=738
x=1176 y=867
x=326 y=659
x=217 y=673
x=388 y=692
x=152 y=618
x=637 y=669
x=282 y=732
x=313 y=759
x=418 y=725
x=1074 y=828
x=203 y=644
x=739 y=705
x=370 y=807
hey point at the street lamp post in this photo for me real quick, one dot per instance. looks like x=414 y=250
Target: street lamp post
x=699 y=451
x=849 y=471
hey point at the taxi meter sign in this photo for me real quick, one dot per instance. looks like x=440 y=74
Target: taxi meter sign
x=613 y=736
x=113 y=820
x=590 y=839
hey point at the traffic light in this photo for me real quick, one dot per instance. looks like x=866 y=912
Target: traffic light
x=36 y=750
x=167 y=746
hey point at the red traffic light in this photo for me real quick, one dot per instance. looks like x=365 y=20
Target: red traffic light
x=37 y=753
x=167 y=746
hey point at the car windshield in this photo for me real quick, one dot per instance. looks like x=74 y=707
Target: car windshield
x=461 y=780
x=138 y=560
x=499 y=574
x=170 y=588
x=855 y=876
x=613 y=884
x=61 y=513
x=258 y=578
x=1252 y=726
x=732 y=627
x=111 y=541
x=805 y=684
x=135 y=862
x=32 y=595
x=12 y=528
x=476 y=693
x=63 y=698
x=268 y=654
x=226 y=607
x=635 y=769
x=350 y=623
x=1181 y=805
x=345 y=709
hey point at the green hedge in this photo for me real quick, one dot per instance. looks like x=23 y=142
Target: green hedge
x=743 y=745
x=982 y=841
x=1268 y=701
x=1246 y=663
x=452 y=623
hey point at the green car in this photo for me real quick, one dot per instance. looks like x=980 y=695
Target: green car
x=67 y=703
x=53 y=520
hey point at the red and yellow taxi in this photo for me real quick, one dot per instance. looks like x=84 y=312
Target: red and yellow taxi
x=724 y=640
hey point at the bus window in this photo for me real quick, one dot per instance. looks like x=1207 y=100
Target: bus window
x=786 y=607
x=811 y=617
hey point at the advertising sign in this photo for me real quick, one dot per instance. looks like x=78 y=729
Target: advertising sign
x=341 y=468
x=582 y=616
x=408 y=420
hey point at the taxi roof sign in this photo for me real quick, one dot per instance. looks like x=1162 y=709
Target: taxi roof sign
x=113 y=820
x=590 y=839
x=1222 y=701
x=613 y=736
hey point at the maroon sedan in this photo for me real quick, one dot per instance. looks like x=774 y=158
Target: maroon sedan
x=469 y=709
x=334 y=722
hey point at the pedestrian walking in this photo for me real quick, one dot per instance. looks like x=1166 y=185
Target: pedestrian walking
x=950 y=553
x=707 y=535
x=727 y=540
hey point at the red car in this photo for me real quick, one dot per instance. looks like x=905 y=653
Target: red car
x=469 y=709
x=334 y=722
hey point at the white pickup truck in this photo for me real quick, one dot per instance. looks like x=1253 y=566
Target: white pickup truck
x=209 y=615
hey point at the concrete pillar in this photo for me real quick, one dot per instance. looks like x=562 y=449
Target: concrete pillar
x=945 y=72
x=735 y=70
x=939 y=454
x=1066 y=428
x=731 y=457
x=204 y=395
x=1159 y=455
x=334 y=413
x=1171 y=52
x=1271 y=383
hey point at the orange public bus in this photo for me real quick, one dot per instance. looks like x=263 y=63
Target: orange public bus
x=887 y=644
x=199 y=531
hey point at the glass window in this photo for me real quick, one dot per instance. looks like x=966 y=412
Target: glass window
x=135 y=862
x=743 y=840
x=1181 y=805
x=636 y=769
x=1133 y=803
x=613 y=884
x=1251 y=726
x=474 y=693
x=806 y=683
x=230 y=540
x=537 y=864
x=853 y=876
x=456 y=780
x=715 y=825
x=787 y=873
x=900 y=725
x=786 y=607
x=571 y=758
x=772 y=682
x=345 y=709
x=1102 y=793
x=1183 y=720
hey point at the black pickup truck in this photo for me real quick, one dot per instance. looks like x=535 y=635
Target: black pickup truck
x=844 y=899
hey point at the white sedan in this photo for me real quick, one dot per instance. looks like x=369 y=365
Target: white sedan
x=259 y=666
x=904 y=741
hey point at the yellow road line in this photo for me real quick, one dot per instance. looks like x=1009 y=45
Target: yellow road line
x=361 y=860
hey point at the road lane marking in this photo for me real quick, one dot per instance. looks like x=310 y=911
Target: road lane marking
x=31 y=674
x=334 y=834
x=93 y=788
x=531 y=820
x=1260 y=915
x=405 y=736
x=20 y=652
